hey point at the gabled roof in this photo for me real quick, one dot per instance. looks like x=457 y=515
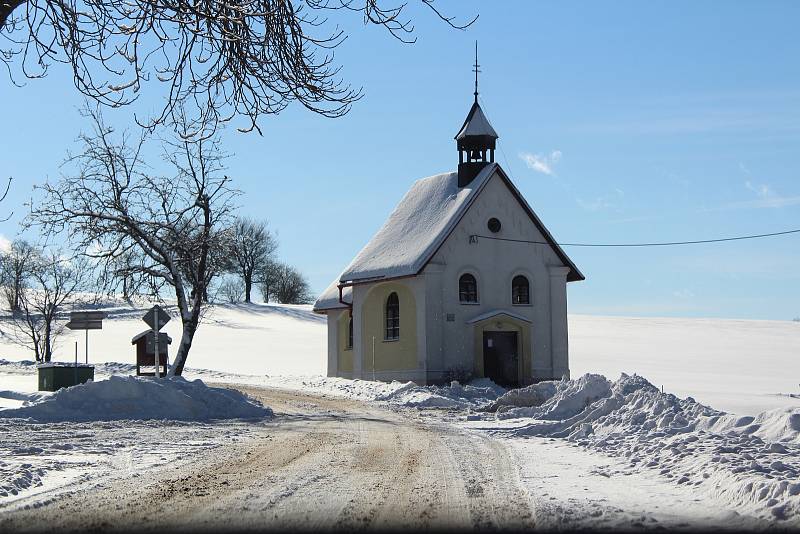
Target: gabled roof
x=476 y=123
x=416 y=229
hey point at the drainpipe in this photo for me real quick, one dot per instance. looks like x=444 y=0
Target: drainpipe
x=341 y=300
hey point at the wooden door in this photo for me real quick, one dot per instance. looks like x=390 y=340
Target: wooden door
x=501 y=358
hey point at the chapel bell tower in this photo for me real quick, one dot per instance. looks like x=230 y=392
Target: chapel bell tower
x=476 y=140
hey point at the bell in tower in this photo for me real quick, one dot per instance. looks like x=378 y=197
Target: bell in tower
x=476 y=140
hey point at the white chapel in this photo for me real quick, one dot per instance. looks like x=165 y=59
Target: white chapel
x=462 y=281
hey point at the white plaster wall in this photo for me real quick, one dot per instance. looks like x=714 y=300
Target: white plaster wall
x=333 y=342
x=494 y=264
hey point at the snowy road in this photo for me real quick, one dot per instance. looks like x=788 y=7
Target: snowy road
x=327 y=462
x=324 y=463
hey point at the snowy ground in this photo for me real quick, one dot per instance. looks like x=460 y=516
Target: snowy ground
x=734 y=365
x=603 y=452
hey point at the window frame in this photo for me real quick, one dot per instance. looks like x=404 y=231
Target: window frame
x=475 y=290
x=528 y=286
x=348 y=344
x=391 y=323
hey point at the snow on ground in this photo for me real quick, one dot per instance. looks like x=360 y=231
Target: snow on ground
x=749 y=463
x=116 y=423
x=132 y=397
x=37 y=458
x=682 y=450
x=235 y=338
x=575 y=489
x=738 y=366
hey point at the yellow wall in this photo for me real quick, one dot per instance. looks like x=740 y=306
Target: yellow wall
x=389 y=355
x=345 y=354
x=503 y=323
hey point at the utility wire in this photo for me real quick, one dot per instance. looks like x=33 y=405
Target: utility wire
x=655 y=244
x=618 y=245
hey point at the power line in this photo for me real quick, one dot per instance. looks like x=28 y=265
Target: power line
x=626 y=245
x=655 y=244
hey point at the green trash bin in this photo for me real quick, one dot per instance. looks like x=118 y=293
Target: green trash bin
x=54 y=376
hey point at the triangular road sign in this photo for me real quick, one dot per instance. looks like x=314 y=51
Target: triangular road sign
x=152 y=313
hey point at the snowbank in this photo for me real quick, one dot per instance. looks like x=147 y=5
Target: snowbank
x=752 y=462
x=476 y=393
x=129 y=397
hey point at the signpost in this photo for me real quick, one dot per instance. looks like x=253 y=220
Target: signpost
x=155 y=318
x=92 y=320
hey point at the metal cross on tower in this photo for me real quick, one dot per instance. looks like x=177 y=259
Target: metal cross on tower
x=476 y=70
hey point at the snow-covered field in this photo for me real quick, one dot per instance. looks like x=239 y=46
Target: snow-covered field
x=734 y=443
x=733 y=365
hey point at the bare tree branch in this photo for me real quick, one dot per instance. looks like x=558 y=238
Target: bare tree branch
x=143 y=228
x=220 y=58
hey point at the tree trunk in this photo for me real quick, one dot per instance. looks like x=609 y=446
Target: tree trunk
x=189 y=328
x=17 y=288
x=48 y=351
x=248 y=286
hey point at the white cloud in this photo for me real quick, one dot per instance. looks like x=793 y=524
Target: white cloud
x=761 y=190
x=766 y=197
x=543 y=163
x=5 y=244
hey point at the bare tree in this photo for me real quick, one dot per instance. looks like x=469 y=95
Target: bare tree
x=225 y=58
x=171 y=228
x=253 y=245
x=290 y=286
x=55 y=282
x=231 y=290
x=267 y=277
x=17 y=267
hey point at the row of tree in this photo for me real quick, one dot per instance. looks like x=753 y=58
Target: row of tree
x=139 y=231
x=37 y=284
x=135 y=231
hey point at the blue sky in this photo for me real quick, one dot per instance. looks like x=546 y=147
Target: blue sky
x=619 y=122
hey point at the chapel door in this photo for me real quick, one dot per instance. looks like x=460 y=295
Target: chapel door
x=501 y=358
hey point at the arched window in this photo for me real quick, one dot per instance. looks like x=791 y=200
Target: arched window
x=350 y=333
x=520 y=290
x=467 y=288
x=392 y=317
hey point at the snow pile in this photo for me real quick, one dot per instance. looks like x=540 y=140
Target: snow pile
x=752 y=462
x=457 y=396
x=401 y=394
x=552 y=400
x=129 y=397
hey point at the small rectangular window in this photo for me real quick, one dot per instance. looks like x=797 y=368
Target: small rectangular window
x=392 y=318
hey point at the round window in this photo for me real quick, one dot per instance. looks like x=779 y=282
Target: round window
x=494 y=225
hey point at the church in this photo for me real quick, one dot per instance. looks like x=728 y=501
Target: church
x=463 y=281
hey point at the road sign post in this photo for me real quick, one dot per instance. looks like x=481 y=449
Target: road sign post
x=86 y=321
x=155 y=318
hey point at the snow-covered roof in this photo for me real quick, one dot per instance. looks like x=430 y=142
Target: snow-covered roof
x=416 y=229
x=476 y=123
x=329 y=299
x=140 y=335
x=495 y=313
